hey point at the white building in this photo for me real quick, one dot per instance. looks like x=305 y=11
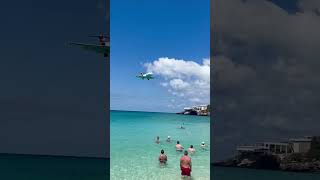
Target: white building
x=267 y=147
x=201 y=110
x=294 y=145
x=301 y=145
x=200 y=107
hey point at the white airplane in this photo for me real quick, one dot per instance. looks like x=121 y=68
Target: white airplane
x=145 y=76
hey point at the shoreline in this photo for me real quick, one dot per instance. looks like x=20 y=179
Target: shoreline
x=270 y=162
x=182 y=113
x=276 y=170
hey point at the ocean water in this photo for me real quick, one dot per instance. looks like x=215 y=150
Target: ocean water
x=228 y=173
x=134 y=153
x=33 y=167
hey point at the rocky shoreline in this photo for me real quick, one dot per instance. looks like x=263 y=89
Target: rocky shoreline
x=308 y=161
x=201 y=110
x=272 y=162
x=301 y=166
x=193 y=114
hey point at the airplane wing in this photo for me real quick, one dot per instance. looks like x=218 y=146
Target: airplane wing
x=92 y=47
x=149 y=76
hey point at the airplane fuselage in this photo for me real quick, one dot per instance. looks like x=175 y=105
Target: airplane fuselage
x=146 y=76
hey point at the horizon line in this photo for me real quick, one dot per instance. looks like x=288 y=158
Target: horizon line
x=142 y=111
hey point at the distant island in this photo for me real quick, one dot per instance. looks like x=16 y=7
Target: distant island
x=200 y=110
x=298 y=155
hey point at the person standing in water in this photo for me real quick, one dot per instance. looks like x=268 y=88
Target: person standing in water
x=179 y=147
x=168 y=139
x=203 y=146
x=185 y=166
x=191 y=149
x=162 y=157
x=158 y=140
x=182 y=127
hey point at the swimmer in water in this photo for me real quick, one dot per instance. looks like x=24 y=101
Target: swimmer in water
x=203 y=146
x=162 y=157
x=191 y=149
x=168 y=139
x=179 y=147
x=158 y=140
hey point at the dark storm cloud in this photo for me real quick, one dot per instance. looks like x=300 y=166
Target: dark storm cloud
x=266 y=69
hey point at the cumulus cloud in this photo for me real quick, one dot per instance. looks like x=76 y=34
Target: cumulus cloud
x=178 y=84
x=182 y=78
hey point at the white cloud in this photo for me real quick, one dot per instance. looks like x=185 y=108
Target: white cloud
x=164 y=84
x=196 y=100
x=188 y=80
x=178 y=84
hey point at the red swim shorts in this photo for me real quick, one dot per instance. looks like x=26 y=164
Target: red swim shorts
x=185 y=171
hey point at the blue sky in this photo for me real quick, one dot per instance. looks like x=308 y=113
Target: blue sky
x=144 y=31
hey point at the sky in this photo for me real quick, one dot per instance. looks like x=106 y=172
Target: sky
x=52 y=97
x=168 y=38
x=266 y=72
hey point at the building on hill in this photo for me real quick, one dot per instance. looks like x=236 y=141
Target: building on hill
x=301 y=145
x=294 y=145
x=200 y=110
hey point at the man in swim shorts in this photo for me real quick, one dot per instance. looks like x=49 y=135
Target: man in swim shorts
x=162 y=157
x=185 y=166
x=191 y=149
x=179 y=147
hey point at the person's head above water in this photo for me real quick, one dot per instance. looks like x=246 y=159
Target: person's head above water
x=186 y=153
x=168 y=137
x=202 y=143
x=162 y=151
x=191 y=146
x=157 y=137
x=178 y=142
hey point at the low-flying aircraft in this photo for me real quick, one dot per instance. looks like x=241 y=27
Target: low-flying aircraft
x=102 y=48
x=145 y=76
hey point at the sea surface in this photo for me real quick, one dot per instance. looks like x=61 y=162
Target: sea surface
x=229 y=173
x=35 y=167
x=134 y=153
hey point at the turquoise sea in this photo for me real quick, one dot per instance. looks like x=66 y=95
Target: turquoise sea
x=134 y=153
x=35 y=167
x=228 y=173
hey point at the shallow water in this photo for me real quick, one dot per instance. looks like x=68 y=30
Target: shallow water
x=134 y=153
